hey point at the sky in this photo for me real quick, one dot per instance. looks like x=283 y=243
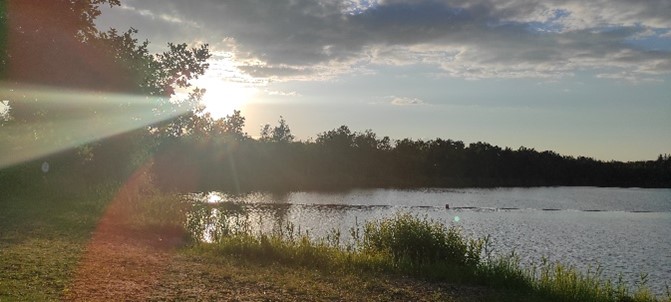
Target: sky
x=590 y=78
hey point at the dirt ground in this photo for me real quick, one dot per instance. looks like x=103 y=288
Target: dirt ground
x=121 y=264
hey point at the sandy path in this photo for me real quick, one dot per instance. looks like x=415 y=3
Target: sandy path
x=119 y=266
x=120 y=263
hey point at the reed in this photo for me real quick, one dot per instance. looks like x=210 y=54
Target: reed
x=412 y=245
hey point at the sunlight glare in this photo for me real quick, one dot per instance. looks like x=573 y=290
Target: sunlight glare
x=213 y=197
x=114 y=114
x=222 y=97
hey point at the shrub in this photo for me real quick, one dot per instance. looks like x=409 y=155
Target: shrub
x=409 y=239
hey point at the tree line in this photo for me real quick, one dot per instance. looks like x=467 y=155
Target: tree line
x=341 y=158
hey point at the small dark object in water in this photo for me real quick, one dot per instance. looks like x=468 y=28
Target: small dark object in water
x=447 y=206
x=422 y=207
x=464 y=208
x=551 y=209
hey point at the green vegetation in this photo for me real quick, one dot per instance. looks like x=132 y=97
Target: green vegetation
x=44 y=233
x=422 y=248
x=226 y=160
x=90 y=139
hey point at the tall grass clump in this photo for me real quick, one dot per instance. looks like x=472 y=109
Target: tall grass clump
x=564 y=283
x=504 y=272
x=421 y=246
x=225 y=229
x=405 y=238
x=558 y=282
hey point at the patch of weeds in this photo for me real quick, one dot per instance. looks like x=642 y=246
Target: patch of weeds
x=411 y=245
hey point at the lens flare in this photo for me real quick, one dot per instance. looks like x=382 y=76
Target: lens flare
x=72 y=118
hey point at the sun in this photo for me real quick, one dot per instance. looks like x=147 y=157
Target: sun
x=222 y=96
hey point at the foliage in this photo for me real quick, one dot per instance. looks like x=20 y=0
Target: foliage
x=409 y=244
x=193 y=151
x=43 y=30
x=419 y=241
x=60 y=70
x=55 y=43
x=45 y=234
x=568 y=284
x=278 y=134
x=341 y=159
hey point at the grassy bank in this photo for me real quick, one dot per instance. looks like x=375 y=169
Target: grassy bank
x=414 y=246
x=45 y=235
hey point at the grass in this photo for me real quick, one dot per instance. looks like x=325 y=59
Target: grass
x=274 y=281
x=415 y=246
x=44 y=233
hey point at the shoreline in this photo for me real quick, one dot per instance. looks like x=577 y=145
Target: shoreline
x=56 y=246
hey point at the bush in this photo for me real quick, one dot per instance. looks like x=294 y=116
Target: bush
x=418 y=242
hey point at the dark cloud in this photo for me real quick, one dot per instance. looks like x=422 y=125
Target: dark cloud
x=514 y=38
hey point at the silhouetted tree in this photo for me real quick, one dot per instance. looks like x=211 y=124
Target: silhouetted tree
x=340 y=158
x=278 y=134
x=55 y=45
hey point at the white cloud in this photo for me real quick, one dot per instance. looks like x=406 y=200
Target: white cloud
x=283 y=93
x=406 y=101
x=629 y=77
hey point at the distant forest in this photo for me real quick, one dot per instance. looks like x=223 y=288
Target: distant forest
x=341 y=158
x=197 y=153
x=118 y=83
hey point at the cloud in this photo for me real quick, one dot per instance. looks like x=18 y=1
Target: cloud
x=406 y=101
x=313 y=39
x=283 y=93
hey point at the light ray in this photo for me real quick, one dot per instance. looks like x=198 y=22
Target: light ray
x=84 y=117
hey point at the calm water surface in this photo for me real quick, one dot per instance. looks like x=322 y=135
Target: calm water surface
x=624 y=231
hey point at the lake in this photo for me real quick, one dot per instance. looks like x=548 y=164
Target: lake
x=624 y=231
